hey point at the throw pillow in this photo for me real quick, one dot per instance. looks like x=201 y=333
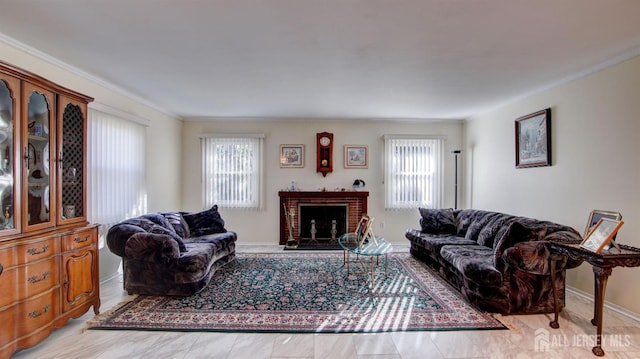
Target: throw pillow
x=179 y=224
x=437 y=221
x=205 y=222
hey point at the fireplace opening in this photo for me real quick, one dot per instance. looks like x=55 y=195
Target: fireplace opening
x=322 y=221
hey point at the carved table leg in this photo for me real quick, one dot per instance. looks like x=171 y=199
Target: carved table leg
x=600 y=281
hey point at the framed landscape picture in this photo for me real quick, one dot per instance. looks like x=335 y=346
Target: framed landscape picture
x=533 y=140
x=291 y=156
x=356 y=156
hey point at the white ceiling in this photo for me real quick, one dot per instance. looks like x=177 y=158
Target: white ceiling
x=409 y=59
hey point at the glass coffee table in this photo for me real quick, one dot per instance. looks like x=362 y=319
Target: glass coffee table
x=371 y=249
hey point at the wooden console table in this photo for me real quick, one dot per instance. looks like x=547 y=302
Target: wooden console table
x=602 y=264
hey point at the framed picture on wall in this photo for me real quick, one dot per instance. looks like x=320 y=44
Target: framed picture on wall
x=533 y=140
x=291 y=156
x=356 y=156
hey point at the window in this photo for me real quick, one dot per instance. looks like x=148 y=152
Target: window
x=232 y=171
x=116 y=170
x=413 y=172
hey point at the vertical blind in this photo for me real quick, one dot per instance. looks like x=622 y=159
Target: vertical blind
x=232 y=171
x=413 y=172
x=116 y=169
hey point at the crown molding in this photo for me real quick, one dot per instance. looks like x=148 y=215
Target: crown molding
x=83 y=74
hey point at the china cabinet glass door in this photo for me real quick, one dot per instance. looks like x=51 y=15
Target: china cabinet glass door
x=9 y=100
x=71 y=178
x=38 y=177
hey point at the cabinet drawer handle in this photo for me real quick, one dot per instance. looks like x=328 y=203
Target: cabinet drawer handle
x=86 y=239
x=34 y=251
x=36 y=314
x=34 y=279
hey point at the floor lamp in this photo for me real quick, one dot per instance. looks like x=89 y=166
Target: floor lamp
x=455 y=196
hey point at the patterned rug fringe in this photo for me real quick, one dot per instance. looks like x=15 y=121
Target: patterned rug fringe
x=104 y=315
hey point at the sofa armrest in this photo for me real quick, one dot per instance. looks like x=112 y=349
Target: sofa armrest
x=151 y=247
x=517 y=233
x=531 y=254
x=531 y=257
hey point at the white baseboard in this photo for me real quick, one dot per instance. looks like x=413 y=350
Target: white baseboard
x=613 y=307
x=110 y=277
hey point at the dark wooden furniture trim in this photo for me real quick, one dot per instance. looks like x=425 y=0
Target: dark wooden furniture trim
x=603 y=264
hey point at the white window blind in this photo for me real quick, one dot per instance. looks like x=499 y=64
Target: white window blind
x=232 y=171
x=116 y=169
x=413 y=172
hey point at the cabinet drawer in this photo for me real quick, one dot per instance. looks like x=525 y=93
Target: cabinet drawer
x=38 y=277
x=37 y=312
x=36 y=250
x=77 y=240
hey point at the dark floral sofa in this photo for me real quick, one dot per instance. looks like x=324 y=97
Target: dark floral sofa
x=499 y=262
x=171 y=253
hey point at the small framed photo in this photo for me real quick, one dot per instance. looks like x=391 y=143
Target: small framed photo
x=356 y=156
x=601 y=234
x=362 y=231
x=291 y=156
x=595 y=216
x=533 y=140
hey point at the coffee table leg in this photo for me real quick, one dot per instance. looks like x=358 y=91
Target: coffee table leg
x=386 y=266
x=372 y=270
x=348 y=260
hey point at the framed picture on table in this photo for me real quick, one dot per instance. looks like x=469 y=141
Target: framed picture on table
x=601 y=234
x=362 y=231
x=595 y=216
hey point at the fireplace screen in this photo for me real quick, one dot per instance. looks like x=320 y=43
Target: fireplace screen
x=322 y=222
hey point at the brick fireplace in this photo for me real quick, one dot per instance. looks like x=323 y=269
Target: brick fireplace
x=344 y=207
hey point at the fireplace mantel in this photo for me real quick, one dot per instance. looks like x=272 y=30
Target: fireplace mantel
x=357 y=201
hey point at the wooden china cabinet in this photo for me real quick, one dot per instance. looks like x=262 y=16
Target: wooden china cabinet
x=48 y=250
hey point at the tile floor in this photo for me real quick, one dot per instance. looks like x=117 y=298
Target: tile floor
x=574 y=339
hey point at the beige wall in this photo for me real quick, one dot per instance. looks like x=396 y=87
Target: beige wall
x=163 y=133
x=595 y=147
x=262 y=227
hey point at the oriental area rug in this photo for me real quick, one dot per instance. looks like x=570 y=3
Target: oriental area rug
x=306 y=292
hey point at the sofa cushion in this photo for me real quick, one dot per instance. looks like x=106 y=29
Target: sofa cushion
x=437 y=221
x=195 y=262
x=205 y=222
x=474 y=262
x=434 y=242
x=495 y=227
x=465 y=218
